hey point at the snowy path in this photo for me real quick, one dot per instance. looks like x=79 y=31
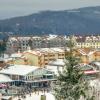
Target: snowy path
x=37 y=97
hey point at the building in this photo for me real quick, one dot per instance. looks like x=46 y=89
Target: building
x=37 y=57
x=16 y=78
x=90 y=72
x=86 y=55
x=56 y=65
x=16 y=43
x=41 y=57
x=5 y=79
x=12 y=45
x=9 y=59
x=88 y=42
x=26 y=73
x=95 y=64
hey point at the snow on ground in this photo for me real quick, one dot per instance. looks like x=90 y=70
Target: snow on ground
x=34 y=96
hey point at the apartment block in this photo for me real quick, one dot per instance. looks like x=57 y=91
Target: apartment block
x=40 y=57
x=16 y=43
x=88 y=42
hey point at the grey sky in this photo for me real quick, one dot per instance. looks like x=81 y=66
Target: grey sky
x=11 y=8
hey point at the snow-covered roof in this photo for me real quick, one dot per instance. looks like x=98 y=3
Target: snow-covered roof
x=51 y=36
x=4 y=78
x=13 y=39
x=97 y=63
x=87 y=52
x=50 y=50
x=54 y=69
x=57 y=49
x=57 y=62
x=16 y=55
x=4 y=56
x=23 y=38
x=33 y=52
x=36 y=37
x=6 y=97
x=18 y=70
x=43 y=50
x=86 y=67
x=7 y=59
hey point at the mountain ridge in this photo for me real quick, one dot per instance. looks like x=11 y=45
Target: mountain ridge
x=75 y=21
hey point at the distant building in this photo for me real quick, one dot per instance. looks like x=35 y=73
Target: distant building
x=17 y=43
x=37 y=57
x=41 y=57
x=88 y=42
x=22 y=43
x=90 y=72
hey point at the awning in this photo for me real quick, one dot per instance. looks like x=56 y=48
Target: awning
x=91 y=72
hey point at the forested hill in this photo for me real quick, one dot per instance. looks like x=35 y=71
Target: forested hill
x=76 y=21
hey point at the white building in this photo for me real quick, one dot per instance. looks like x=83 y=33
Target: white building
x=22 y=43
x=26 y=73
x=56 y=65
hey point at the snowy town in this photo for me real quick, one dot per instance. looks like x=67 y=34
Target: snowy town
x=28 y=70
x=49 y=49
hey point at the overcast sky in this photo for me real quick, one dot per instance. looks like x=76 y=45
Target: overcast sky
x=11 y=8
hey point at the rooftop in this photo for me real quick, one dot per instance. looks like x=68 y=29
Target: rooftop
x=50 y=50
x=16 y=55
x=4 y=78
x=18 y=70
x=41 y=51
x=57 y=62
x=86 y=51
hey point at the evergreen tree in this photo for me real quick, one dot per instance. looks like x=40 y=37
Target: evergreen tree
x=70 y=84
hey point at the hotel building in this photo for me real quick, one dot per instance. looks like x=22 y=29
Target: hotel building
x=22 y=43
